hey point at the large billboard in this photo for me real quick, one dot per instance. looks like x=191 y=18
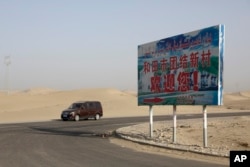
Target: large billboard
x=186 y=69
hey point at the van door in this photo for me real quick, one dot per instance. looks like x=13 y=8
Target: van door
x=84 y=111
x=92 y=109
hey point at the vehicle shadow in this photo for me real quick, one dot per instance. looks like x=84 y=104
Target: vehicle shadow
x=72 y=128
x=50 y=131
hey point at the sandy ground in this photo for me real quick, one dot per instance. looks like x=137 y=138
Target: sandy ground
x=43 y=104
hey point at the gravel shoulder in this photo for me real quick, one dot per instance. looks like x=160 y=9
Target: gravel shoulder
x=224 y=134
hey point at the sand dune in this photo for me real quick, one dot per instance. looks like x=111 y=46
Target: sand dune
x=236 y=96
x=41 y=104
x=36 y=91
x=245 y=94
x=239 y=100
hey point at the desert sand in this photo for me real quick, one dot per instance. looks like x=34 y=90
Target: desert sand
x=43 y=104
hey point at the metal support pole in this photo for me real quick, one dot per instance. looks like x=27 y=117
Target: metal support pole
x=7 y=62
x=7 y=80
x=174 y=123
x=205 y=126
x=151 y=121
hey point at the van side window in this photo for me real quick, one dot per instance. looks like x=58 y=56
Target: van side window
x=87 y=105
x=97 y=105
x=84 y=105
x=91 y=105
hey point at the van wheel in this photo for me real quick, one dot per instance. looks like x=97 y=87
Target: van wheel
x=77 y=117
x=97 y=116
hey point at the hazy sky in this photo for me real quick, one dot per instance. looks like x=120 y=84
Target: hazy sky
x=72 y=44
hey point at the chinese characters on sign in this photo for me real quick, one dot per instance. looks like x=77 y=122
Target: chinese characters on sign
x=188 y=65
x=183 y=78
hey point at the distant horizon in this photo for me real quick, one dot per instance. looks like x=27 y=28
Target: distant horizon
x=88 y=88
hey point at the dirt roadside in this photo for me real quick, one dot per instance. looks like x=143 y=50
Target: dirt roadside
x=224 y=134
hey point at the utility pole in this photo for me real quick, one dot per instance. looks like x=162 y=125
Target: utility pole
x=7 y=62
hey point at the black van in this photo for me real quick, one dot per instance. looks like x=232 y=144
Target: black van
x=83 y=110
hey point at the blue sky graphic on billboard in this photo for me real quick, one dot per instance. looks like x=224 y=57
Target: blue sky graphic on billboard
x=186 y=69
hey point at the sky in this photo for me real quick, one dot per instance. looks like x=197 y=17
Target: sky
x=75 y=44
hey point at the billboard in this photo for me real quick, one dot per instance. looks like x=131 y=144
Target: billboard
x=185 y=69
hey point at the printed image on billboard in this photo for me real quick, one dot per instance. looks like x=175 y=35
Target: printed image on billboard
x=186 y=69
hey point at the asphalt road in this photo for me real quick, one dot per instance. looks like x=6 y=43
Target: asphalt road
x=58 y=143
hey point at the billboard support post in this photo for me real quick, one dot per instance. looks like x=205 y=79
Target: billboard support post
x=151 y=121
x=204 y=125
x=174 y=123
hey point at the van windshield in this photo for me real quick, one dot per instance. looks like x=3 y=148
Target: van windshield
x=75 y=106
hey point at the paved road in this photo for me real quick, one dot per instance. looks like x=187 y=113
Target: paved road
x=58 y=143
